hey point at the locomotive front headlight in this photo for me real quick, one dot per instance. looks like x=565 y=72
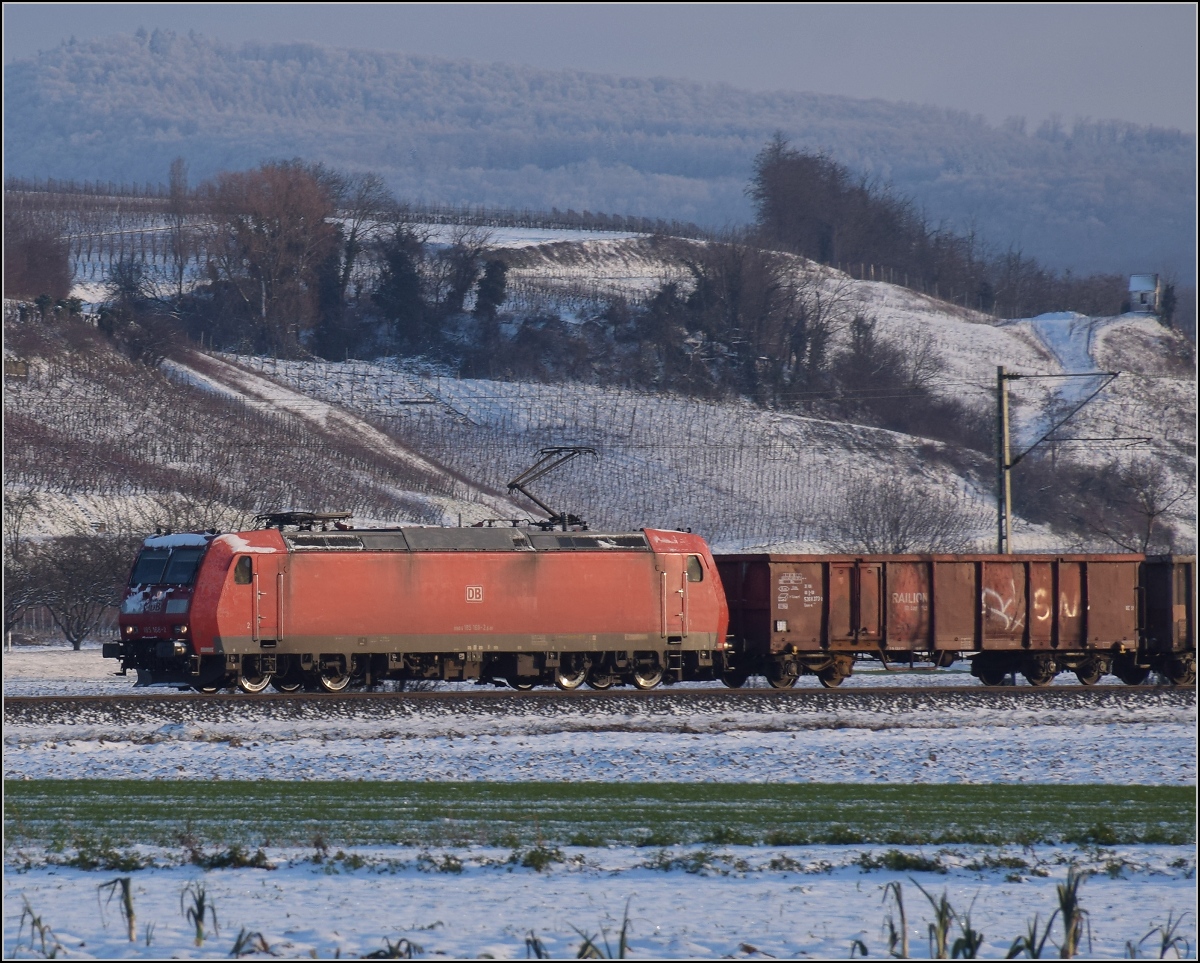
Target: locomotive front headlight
x=129 y=630
x=180 y=629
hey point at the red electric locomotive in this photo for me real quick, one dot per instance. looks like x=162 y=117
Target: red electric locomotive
x=300 y=607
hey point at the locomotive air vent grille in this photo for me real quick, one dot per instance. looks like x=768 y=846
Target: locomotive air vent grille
x=326 y=541
x=574 y=542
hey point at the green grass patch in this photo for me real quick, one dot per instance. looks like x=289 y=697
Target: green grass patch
x=107 y=815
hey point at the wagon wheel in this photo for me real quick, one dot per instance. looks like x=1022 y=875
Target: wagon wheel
x=333 y=680
x=208 y=688
x=1089 y=672
x=990 y=675
x=830 y=678
x=1182 y=672
x=734 y=679
x=522 y=684
x=1039 y=672
x=287 y=676
x=570 y=678
x=601 y=679
x=781 y=678
x=647 y=678
x=1130 y=672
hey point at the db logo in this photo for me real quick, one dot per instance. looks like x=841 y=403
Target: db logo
x=474 y=593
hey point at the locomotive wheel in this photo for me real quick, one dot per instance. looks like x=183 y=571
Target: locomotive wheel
x=208 y=688
x=286 y=684
x=647 y=678
x=1039 y=672
x=255 y=682
x=1089 y=672
x=333 y=680
x=569 y=679
x=601 y=679
x=521 y=684
x=830 y=678
x=734 y=679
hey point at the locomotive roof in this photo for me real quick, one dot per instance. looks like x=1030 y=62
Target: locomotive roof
x=464 y=540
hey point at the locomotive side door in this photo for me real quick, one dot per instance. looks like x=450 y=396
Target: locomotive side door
x=237 y=604
x=268 y=598
x=672 y=578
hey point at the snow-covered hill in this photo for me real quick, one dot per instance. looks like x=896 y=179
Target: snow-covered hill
x=743 y=475
x=749 y=477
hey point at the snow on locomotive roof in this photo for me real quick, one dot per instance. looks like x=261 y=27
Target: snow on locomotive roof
x=197 y=539
x=465 y=540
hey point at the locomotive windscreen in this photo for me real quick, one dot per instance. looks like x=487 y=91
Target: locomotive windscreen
x=161 y=566
x=150 y=566
x=182 y=567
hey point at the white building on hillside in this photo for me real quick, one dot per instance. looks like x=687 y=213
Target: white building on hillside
x=1144 y=293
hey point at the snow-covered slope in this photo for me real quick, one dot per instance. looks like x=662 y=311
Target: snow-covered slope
x=744 y=476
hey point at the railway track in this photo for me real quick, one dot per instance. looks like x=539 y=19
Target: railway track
x=35 y=710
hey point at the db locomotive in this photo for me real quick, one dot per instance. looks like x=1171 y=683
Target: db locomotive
x=306 y=602
x=321 y=610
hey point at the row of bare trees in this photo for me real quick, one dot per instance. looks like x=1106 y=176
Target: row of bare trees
x=811 y=205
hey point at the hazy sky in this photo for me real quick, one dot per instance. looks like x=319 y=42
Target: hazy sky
x=1135 y=63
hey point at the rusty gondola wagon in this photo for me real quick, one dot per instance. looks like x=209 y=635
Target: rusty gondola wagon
x=1033 y=614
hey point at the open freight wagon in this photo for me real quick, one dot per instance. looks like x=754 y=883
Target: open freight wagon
x=1033 y=614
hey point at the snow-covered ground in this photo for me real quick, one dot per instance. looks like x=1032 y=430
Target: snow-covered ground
x=732 y=903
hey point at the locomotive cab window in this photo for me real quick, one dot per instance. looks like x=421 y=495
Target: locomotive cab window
x=695 y=571
x=182 y=567
x=150 y=566
x=242 y=572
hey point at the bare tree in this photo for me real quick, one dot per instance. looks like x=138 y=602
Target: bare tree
x=136 y=318
x=453 y=271
x=19 y=508
x=22 y=589
x=36 y=255
x=178 y=224
x=1138 y=512
x=80 y=576
x=898 y=516
x=271 y=234
x=364 y=205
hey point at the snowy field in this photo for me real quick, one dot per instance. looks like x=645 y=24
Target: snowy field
x=728 y=902
x=684 y=901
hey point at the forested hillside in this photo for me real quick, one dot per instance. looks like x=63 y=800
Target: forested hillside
x=1091 y=196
